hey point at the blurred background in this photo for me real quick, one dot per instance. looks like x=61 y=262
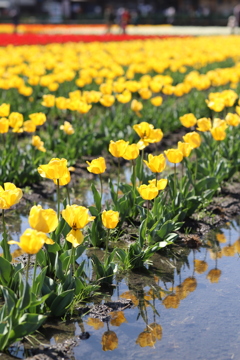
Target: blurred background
x=155 y=12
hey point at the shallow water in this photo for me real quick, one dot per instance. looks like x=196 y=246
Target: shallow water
x=199 y=320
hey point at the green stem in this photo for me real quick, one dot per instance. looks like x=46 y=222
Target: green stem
x=58 y=200
x=196 y=169
x=73 y=259
x=156 y=176
x=107 y=242
x=147 y=221
x=134 y=182
x=28 y=265
x=35 y=270
x=118 y=179
x=101 y=186
x=68 y=195
x=3 y=221
x=141 y=169
x=175 y=179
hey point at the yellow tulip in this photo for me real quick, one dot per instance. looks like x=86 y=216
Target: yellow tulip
x=38 y=118
x=107 y=100
x=131 y=152
x=4 y=125
x=160 y=184
x=193 y=138
x=77 y=218
x=48 y=100
x=32 y=241
x=217 y=104
x=110 y=219
x=97 y=166
x=145 y=93
x=204 y=124
x=143 y=129
x=174 y=155
x=9 y=195
x=61 y=103
x=218 y=133
x=118 y=148
x=37 y=143
x=156 y=163
x=188 y=120
x=155 y=136
x=233 y=119
x=29 y=126
x=109 y=341
x=15 y=120
x=4 y=110
x=148 y=192
x=125 y=97
x=157 y=101
x=136 y=106
x=185 y=148
x=67 y=128
x=44 y=220
x=55 y=170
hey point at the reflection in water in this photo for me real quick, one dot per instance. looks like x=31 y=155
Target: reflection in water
x=177 y=291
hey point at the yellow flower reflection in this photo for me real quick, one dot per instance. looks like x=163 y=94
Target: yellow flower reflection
x=214 y=275
x=117 y=318
x=95 y=323
x=109 y=341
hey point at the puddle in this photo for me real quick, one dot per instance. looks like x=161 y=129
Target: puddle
x=186 y=306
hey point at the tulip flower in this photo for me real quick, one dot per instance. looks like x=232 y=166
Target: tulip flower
x=204 y=124
x=185 y=148
x=107 y=100
x=77 y=218
x=38 y=118
x=48 y=100
x=136 y=106
x=193 y=138
x=97 y=166
x=4 y=110
x=131 y=152
x=57 y=171
x=67 y=128
x=29 y=126
x=118 y=149
x=44 y=220
x=15 y=120
x=148 y=192
x=145 y=93
x=218 y=133
x=175 y=156
x=160 y=184
x=110 y=219
x=156 y=163
x=38 y=144
x=109 y=341
x=233 y=119
x=4 y=125
x=157 y=101
x=188 y=120
x=9 y=195
x=31 y=243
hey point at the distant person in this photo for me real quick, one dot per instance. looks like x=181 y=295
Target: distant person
x=170 y=13
x=236 y=13
x=109 y=17
x=125 y=20
x=14 y=13
x=135 y=17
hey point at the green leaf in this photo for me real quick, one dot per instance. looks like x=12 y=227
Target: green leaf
x=28 y=323
x=6 y=270
x=58 y=306
x=97 y=198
